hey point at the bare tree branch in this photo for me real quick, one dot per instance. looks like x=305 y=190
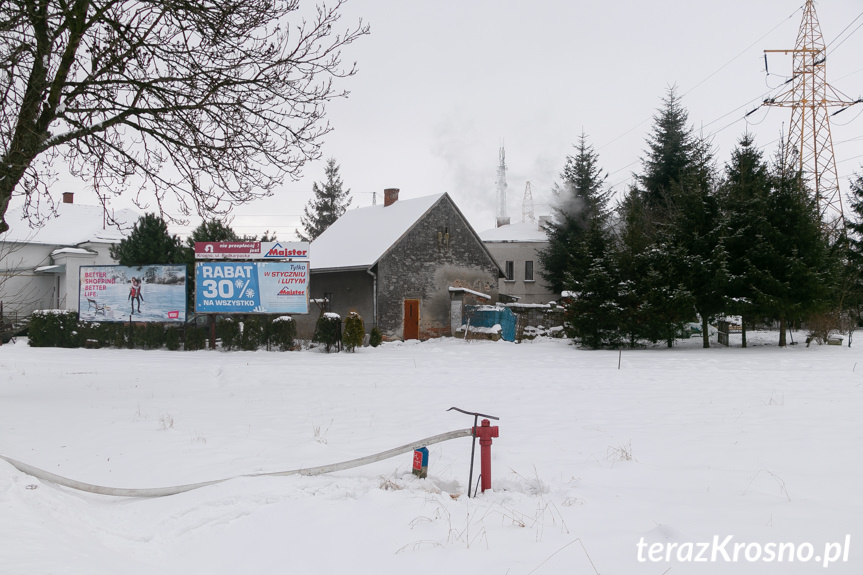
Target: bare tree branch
x=210 y=103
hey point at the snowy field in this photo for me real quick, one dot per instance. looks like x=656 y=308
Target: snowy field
x=656 y=461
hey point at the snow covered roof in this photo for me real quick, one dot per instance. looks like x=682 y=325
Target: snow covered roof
x=470 y=291
x=73 y=251
x=359 y=238
x=75 y=224
x=521 y=232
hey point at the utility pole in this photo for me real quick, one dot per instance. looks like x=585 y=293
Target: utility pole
x=809 y=147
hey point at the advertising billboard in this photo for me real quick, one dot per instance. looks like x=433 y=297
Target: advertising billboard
x=155 y=293
x=251 y=250
x=252 y=287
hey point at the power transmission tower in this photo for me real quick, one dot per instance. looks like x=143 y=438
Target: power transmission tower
x=527 y=205
x=809 y=147
x=502 y=219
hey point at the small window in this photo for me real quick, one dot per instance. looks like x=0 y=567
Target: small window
x=509 y=271
x=528 y=271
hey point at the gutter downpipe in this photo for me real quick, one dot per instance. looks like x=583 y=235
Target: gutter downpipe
x=374 y=294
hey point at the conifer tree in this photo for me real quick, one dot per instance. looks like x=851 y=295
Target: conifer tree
x=658 y=301
x=796 y=267
x=579 y=233
x=328 y=205
x=670 y=152
x=149 y=243
x=852 y=303
x=694 y=229
x=743 y=203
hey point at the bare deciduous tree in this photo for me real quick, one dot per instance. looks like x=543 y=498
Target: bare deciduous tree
x=211 y=102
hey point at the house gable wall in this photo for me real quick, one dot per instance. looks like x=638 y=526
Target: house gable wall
x=423 y=265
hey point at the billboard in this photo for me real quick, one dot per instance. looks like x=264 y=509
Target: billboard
x=155 y=293
x=251 y=250
x=252 y=287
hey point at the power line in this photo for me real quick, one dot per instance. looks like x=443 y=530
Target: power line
x=711 y=75
x=843 y=31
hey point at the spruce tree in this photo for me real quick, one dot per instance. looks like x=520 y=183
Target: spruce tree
x=694 y=229
x=149 y=243
x=743 y=203
x=670 y=152
x=328 y=205
x=658 y=301
x=594 y=317
x=796 y=267
x=852 y=241
x=578 y=233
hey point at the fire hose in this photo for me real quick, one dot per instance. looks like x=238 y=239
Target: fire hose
x=165 y=491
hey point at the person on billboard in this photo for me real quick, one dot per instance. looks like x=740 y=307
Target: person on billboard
x=135 y=294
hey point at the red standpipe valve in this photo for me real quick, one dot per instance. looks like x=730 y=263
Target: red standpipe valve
x=485 y=432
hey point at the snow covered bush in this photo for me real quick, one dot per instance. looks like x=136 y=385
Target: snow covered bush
x=283 y=331
x=355 y=332
x=228 y=331
x=328 y=330
x=53 y=328
x=196 y=338
x=375 y=337
x=172 y=338
x=151 y=335
x=253 y=332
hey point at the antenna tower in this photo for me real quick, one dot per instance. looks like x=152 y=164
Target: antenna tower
x=527 y=205
x=502 y=219
x=809 y=147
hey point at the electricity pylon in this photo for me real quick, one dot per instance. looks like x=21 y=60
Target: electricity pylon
x=527 y=205
x=809 y=147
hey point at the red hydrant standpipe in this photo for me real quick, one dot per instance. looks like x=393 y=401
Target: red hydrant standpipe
x=485 y=433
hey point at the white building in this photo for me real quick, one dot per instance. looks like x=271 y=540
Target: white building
x=516 y=247
x=39 y=267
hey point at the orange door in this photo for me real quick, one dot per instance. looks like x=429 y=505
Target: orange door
x=412 y=319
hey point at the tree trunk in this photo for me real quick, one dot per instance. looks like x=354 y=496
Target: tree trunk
x=743 y=330
x=782 y=329
x=705 y=336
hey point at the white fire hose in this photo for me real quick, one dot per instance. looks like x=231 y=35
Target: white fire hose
x=165 y=491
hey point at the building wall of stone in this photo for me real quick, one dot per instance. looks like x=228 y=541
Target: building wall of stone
x=440 y=252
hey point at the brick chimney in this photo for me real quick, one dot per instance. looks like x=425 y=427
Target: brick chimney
x=391 y=196
x=68 y=197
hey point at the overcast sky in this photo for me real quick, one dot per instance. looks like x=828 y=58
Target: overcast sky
x=443 y=85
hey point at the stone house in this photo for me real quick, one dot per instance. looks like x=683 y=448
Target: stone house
x=39 y=267
x=395 y=264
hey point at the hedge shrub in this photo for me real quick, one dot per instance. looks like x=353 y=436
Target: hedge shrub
x=228 y=331
x=375 y=337
x=328 y=330
x=253 y=332
x=54 y=328
x=283 y=332
x=355 y=332
x=61 y=328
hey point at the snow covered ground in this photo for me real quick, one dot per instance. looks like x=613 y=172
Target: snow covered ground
x=603 y=459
